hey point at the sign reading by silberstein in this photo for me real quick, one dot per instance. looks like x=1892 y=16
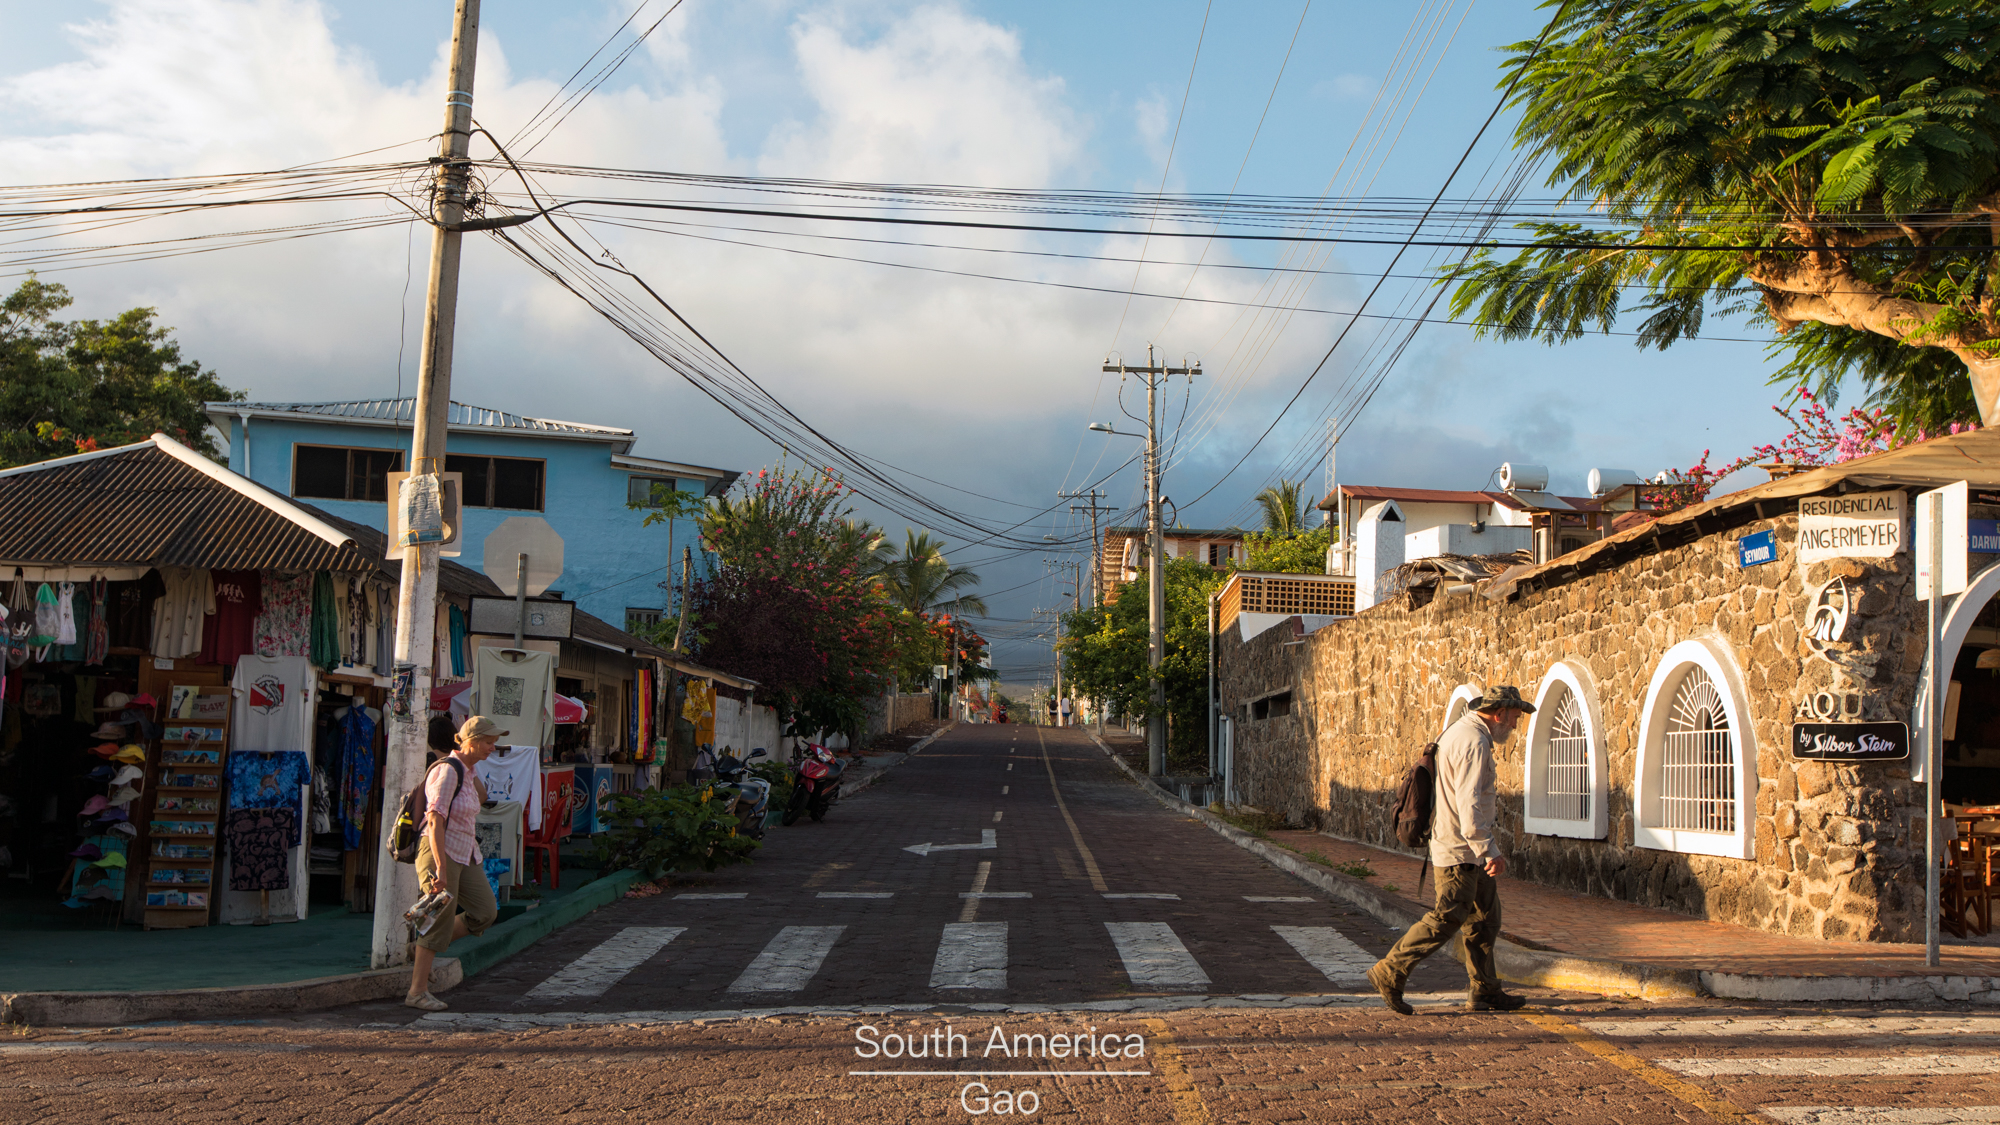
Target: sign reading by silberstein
x=1859 y=525
x=1851 y=742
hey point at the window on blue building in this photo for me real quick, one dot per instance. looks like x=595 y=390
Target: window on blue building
x=329 y=472
x=641 y=490
x=499 y=482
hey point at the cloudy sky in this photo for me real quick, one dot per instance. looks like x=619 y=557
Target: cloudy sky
x=985 y=385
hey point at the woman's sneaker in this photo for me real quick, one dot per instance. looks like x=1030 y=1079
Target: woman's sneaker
x=425 y=1001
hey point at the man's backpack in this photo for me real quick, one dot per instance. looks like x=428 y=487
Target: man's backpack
x=1415 y=796
x=408 y=831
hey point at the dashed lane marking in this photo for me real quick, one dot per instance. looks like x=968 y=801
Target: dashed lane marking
x=1329 y=951
x=1880 y=1115
x=1161 y=895
x=996 y=816
x=1155 y=958
x=736 y=894
x=1854 y=1067
x=1003 y=790
x=970 y=910
x=1278 y=898
x=789 y=961
x=611 y=961
x=971 y=955
x=855 y=894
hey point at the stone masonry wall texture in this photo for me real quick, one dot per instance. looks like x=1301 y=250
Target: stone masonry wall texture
x=1834 y=843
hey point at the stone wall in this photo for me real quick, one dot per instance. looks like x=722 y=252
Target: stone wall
x=1833 y=842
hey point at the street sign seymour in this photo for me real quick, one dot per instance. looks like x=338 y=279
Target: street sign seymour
x=1865 y=525
x=524 y=535
x=1756 y=550
x=1851 y=742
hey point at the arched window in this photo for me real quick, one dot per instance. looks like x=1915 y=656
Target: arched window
x=1697 y=774
x=1565 y=775
x=1462 y=697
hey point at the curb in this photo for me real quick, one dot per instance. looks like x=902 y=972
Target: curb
x=874 y=774
x=1517 y=963
x=98 y=1009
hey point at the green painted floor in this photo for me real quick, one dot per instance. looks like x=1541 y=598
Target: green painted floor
x=45 y=946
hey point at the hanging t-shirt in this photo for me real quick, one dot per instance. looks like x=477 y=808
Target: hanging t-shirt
x=66 y=614
x=514 y=773
x=284 y=625
x=181 y=613
x=239 y=597
x=516 y=690
x=129 y=613
x=273 y=703
x=270 y=781
x=360 y=609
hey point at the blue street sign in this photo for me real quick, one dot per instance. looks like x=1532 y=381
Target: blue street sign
x=1982 y=537
x=1755 y=550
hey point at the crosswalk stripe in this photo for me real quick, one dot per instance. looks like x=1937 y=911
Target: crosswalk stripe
x=1154 y=956
x=1277 y=898
x=996 y=894
x=789 y=961
x=737 y=894
x=971 y=955
x=1147 y=894
x=1329 y=951
x=1880 y=1115
x=1859 y=1067
x=1887 y=1028
x=856 y=894
x=595 y=972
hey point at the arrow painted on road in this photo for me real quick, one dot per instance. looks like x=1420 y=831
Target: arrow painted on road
x=988 y=838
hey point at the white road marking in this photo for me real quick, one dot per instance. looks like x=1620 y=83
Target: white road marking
x=789 y=961
x=996 y=817
x=970 y=910
x=1852 y=1067
x=995 y=894
x=1154 y=956
x=1879 y=1115
x=988 y=840
x=737 y=894
x=971 y=955
x=1329 y=951
x=856 y=894
x=1885 y=1028
x=595 y=972
x=1146 y=894
x=1010 y=765
x=1003 y=790
x=1278 y=898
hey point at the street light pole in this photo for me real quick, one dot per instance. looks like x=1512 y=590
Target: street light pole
x=416 y=599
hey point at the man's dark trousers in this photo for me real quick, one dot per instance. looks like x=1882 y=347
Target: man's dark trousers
x=1466 y=896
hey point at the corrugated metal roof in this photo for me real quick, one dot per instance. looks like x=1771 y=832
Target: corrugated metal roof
x=144 y=505
x=404 y=409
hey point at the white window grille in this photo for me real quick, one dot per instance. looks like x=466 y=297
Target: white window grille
x=1698 y=771
x=1565 y=788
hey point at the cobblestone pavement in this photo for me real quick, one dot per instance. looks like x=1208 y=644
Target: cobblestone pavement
x=783 y=1005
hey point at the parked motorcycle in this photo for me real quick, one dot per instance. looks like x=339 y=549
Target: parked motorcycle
x=815 y=782
x=751 y=794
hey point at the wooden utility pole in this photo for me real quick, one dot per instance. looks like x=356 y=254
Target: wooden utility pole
x=1096 y=562
x=416 y=599
x=1156 y=595
x=687 y=583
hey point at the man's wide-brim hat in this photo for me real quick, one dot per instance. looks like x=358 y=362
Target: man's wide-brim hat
x=1503 y=699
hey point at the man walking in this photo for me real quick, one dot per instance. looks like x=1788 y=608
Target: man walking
x=1467 y=860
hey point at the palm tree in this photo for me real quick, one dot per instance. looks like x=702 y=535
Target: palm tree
x=921 y=580
x=1284 y=512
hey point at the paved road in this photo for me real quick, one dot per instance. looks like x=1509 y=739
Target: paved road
x=1233 y=1001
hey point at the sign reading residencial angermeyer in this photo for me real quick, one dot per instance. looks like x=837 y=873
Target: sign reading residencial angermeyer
x=1851 y=742
x=1864 y=525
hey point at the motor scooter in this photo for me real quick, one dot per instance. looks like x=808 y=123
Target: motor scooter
x=752 y=794
x=815 y=782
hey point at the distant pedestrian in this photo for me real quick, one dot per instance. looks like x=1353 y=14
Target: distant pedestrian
x=1467 y=860
x=1067 y=707
x=448 y=856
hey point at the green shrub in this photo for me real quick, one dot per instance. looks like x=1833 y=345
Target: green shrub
x=684 y=828
x=779 y=775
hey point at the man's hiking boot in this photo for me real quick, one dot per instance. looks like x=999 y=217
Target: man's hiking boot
x=1494 y=1001
x=1385 y=982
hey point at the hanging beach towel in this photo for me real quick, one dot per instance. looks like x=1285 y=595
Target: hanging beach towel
x=98 y=634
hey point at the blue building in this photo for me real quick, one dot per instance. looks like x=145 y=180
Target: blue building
x=579 y=477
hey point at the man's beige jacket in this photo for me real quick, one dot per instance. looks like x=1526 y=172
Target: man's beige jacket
x=1462 y=817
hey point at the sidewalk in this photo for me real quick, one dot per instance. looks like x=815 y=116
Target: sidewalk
x=1559 y=939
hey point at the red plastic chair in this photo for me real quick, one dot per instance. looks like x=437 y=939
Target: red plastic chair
x=557 y=789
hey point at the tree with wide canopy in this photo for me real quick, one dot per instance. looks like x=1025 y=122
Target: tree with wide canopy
x=1833 y=169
